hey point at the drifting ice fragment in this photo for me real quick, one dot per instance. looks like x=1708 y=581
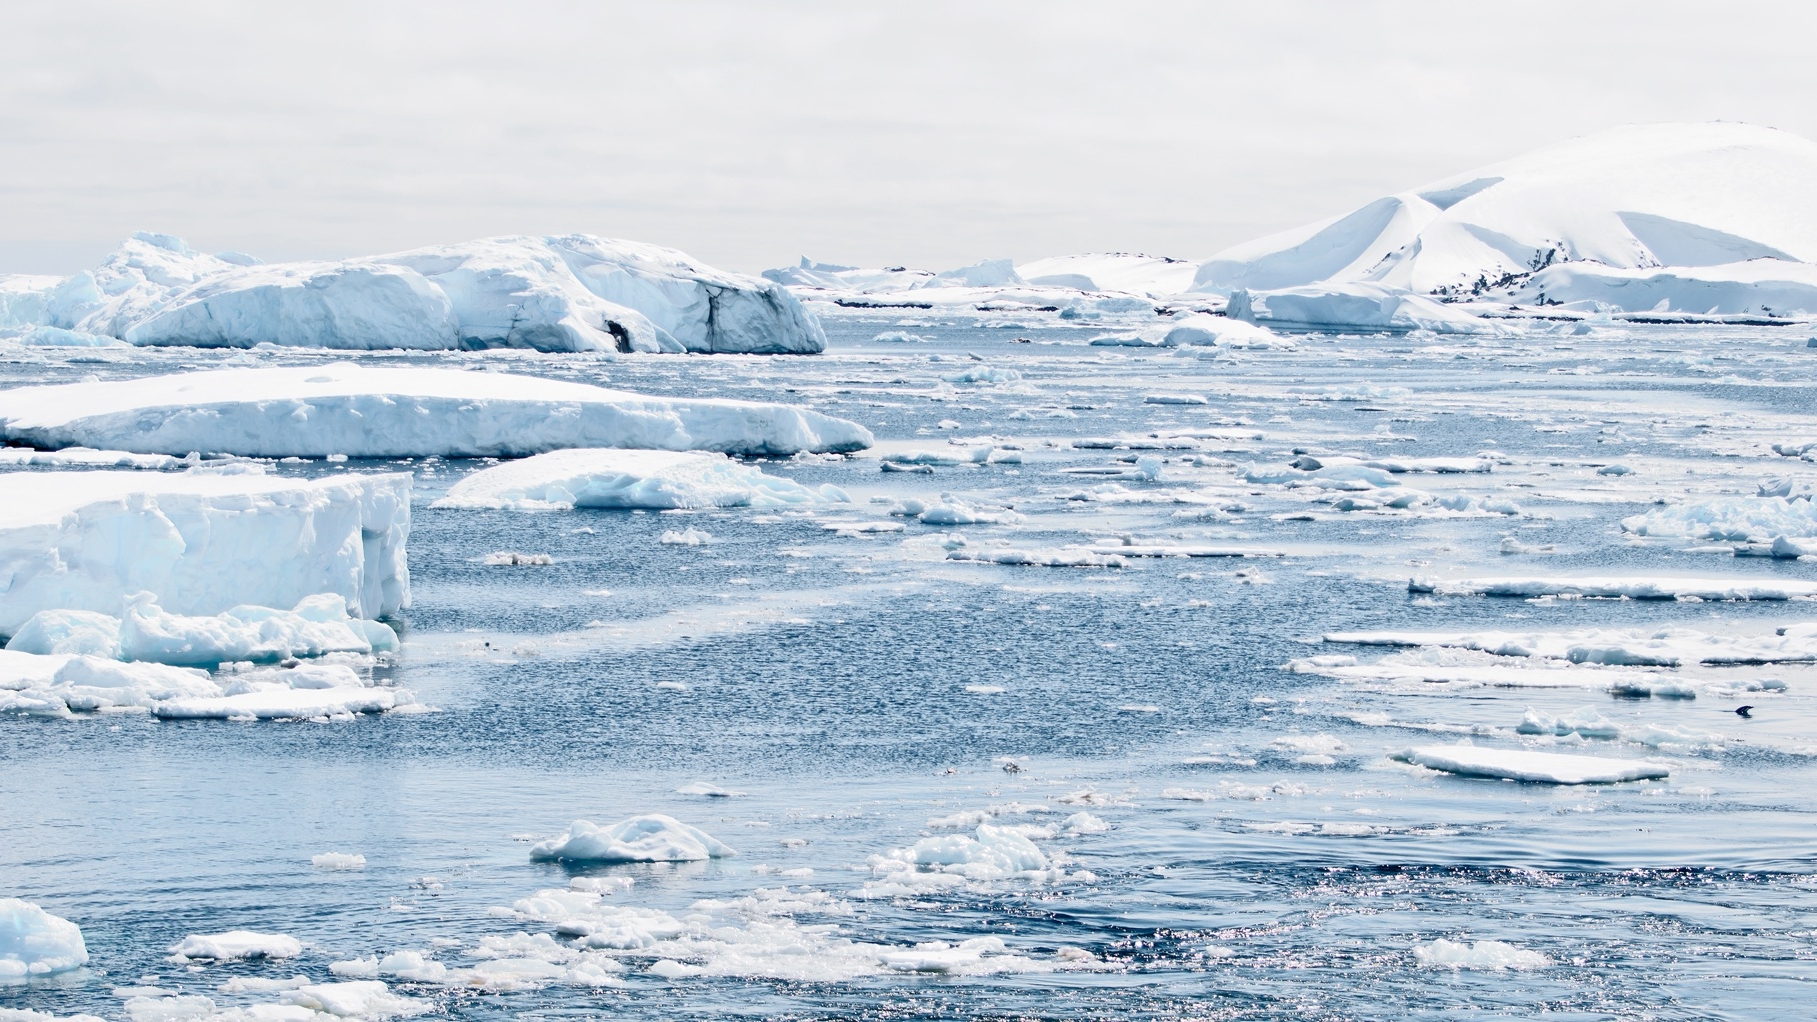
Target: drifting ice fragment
x=608 y=478
x=652 y=838
x=1522 y=765
x=35 y=943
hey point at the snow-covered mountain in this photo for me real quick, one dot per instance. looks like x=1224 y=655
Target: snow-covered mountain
x=1633 y=199
x=570 y=293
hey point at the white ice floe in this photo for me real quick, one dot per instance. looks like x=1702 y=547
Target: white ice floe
x=370 y=412
x=356 y=999
x=1061 y=557
x=236 y=944
x=1526 y=765
x=204 y=543
x=88 y=457
x=568 y=293
x=1493 y=955
x=58 y=685
x=1669 y=646
x=609 y=478
x=650 y=838
x=1633 y=198
x=338 y=861
x=1730 y=519
x=782 y=933
x=318 y=626
x=35 y=943
x=989 y=852
x=1468 y=667
x=685 y=537
x=1667 y=588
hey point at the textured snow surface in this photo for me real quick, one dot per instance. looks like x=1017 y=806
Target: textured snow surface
x=202 y=542
x=59 y=685
x=1638 y=197
x=568 y=293
x=651 y=838
x=35 y=943
x=596 y=477
x=1524 y=765
x=364 y=412
x=319 y=625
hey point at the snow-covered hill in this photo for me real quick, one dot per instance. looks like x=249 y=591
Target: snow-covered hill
x=1735 y=201
x=569 y=293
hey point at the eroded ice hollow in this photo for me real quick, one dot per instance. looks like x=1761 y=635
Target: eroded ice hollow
x=365 y=412
x=202 y=543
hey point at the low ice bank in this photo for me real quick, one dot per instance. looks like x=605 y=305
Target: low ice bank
x=608 y=478
x=651 y=838
x=566 y=293
x=1522 y=765
x=365 y=412
x=61 y=685
x=35 y=943
x=203 y=542
x=1668 y=588
x=318 y=626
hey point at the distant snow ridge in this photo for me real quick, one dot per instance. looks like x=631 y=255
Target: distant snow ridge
x=626 y=479
x=568 y=293
x=365 y=412
x=1731 y=209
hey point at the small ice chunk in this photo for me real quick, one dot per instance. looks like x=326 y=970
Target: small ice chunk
x=338 y=861
x=512 y=558
x=236 y=944
x=35 y=943
x=650 y=838
x=686 y=537
x=1492 y=955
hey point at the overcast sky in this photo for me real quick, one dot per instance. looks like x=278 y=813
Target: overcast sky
x=749 y=134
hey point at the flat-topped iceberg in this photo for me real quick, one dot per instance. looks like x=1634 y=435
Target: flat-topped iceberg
x=203 y=542
x=564 y=293
x=608 y=478
x=1349 y=306
x=365 y=412
x=35 y=943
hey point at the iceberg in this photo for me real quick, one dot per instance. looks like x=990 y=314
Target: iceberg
x=364 y=412
x=318 y=626
x=593 y=477
x=561 y=293
x=1522 y=765
x=35 y=943
x=1349 y=306
x=651 y=838
x=1731 y=197
x=1125 y=272
x=205 y=543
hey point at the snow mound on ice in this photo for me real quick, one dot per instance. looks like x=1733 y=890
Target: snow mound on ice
x=204 y=543
x=318 y=626
x=568 y=293
x=603 y=477
x=35 y=943
x=237 y=944
x=1522 y=765
x=1492 y=955
x=651 y=838
x=1633 y=198
x=365 y=412
x=1130 y=273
